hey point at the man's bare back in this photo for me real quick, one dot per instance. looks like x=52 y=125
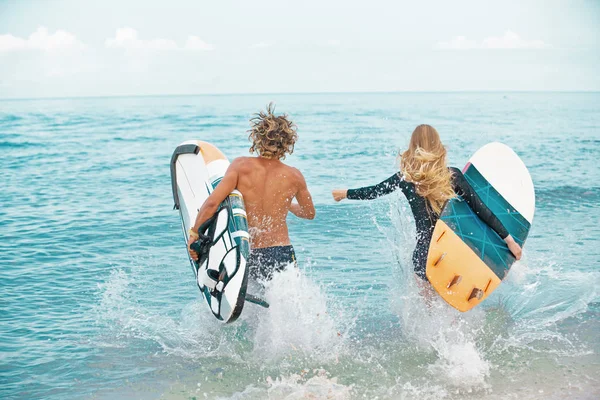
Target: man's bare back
x=268 y=187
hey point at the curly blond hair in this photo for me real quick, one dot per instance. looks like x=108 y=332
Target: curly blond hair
x=272 y=136
x=424 y=164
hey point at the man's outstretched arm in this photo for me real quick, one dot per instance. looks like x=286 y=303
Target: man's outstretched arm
x=305 y=207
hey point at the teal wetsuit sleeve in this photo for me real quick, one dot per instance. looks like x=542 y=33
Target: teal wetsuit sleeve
x=388 y=186
x=462 y=188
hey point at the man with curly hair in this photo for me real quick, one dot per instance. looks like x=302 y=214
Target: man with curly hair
x=269 y=188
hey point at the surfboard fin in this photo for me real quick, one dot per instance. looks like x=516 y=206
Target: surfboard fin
x=455 y=281
x=439 y=259
x=476 y=294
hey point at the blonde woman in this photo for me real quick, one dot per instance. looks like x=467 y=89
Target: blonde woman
x=428 y=183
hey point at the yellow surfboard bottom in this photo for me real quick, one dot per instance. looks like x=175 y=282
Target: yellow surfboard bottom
x=459 y=276
x=210 y=152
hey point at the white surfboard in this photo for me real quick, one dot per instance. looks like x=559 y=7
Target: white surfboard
x=221 y=272
x=507 y=173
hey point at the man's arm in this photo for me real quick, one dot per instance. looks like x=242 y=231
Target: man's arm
x=226 y=186
x=305 y=207
x=210 y=206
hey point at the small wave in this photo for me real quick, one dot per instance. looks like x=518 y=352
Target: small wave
x=185 y=117
x=369 y=114
x=16 y=145
x=590 y=141
x=7 y=118
x=568 y=195
x=136 y=139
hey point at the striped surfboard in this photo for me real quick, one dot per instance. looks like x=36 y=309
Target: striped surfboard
x=467 y=260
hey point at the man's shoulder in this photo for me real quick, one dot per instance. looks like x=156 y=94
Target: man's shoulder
x=240 y=162
x=295 y=174
x=289 y=169
x=242 y=159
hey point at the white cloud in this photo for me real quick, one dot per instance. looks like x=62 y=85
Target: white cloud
x=195 y=43
x=333 y=42
x=127 y=38
x=510 y=40
x=41 y=40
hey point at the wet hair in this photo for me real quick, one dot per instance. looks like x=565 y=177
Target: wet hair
x=424 y=164
x=272 y=136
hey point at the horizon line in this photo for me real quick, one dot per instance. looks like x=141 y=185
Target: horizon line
x=291 y=93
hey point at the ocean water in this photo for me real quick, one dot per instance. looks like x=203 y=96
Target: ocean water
x=98 y=301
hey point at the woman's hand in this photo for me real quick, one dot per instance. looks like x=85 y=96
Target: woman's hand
x=513 y=247
x=339 y=194
x=193 y=254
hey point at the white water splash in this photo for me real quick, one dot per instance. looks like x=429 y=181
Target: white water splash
x=298 y=323
x=443 y=353
x=194 y=333
x=454 y=340
x=427 y=321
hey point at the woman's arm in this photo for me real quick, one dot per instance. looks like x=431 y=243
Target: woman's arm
x=466 y=191
x=370 y=192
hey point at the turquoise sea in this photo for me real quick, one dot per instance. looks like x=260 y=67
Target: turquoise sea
x=98 y=300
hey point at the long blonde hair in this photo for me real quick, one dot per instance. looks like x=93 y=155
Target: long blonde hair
x=424 y=164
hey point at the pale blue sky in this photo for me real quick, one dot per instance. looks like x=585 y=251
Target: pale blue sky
x=109 y=47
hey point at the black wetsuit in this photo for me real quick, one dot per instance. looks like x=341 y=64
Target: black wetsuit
x=263 y=262
x=425 y=219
